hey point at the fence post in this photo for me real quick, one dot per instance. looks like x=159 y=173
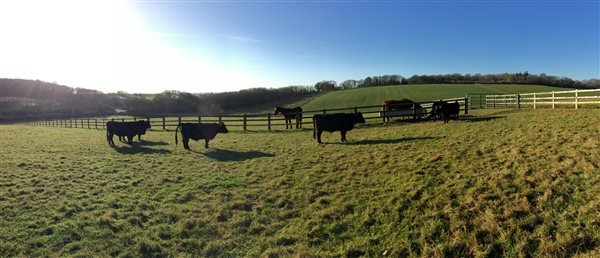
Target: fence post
x=244 y=121
x=178 y=120
x=576 y=96
x=552 y=99
x=269 y=121
x=164 y=124
x=518 y=101
x=467 y=104
x=324 y=111
x=122 y=119
x=494 y=101
x=88 y=121
x=134 y=119
x=383 y=115
x=355 y=109
x=96 y=122
x=220 y=119
x=534 y=101
x=199 y=119
x=70 y=123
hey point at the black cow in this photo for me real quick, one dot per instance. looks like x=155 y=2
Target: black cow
x=289 y=114
x=126 y=129
x=450 y=110
x=436 y=110
x=335 y=122
x=197 y=131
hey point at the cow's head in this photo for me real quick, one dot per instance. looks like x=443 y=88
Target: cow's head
x=277 y=111
x=145 y=124
x=358 y=118
x=222 y=128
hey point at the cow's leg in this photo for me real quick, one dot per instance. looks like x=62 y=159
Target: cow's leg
x=139 y=137
x=186 y=141
x=206 y=143
x=343 y=135
x=319 y=132
x=130 y=139
x=109 y=138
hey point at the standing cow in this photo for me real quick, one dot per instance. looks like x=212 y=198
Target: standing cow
x=449 y=110
x=197 y=131
x=335 y=122
x=126 y=129
x=436 y=110
x=289 y=114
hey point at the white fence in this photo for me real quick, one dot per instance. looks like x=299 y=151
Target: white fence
x=573 y=98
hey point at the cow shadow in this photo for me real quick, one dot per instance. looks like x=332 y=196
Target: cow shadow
x=137 y=149
x=391 y=141
x=480 y=118
x=229 y=155
x=147 y=143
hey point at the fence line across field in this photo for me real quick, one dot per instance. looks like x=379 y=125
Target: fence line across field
x=573 y=98
x=246 y=121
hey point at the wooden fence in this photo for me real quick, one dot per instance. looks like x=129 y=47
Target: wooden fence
x=573 y=98
x=372 y=114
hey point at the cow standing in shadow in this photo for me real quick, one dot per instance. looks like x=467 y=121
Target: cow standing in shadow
x=289 y=114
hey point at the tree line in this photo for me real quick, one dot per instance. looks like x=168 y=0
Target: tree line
x=503 y=78
x=33 y=99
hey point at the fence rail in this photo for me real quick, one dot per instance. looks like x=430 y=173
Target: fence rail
x=372 y=114
x=573 y=98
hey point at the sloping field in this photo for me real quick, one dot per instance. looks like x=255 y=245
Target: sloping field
x=497 y=184
x=376 y=95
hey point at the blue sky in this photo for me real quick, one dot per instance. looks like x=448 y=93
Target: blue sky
x=210 y=46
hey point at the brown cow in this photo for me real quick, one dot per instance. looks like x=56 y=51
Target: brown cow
x=403 y=104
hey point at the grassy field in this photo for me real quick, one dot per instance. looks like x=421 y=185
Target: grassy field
x=501 y=183
x=376 y=95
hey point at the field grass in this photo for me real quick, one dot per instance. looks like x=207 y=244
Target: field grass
x=376 y=95
x=501 y=183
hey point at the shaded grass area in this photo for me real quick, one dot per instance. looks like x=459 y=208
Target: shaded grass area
x=503 y=183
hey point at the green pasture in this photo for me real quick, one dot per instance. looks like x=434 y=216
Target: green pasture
x=498 y=183
x=428 y=92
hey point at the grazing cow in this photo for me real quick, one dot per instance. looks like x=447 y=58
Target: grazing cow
x=289 y=114
x=436 y=110
x=197 y=131
x=335 y=122
x=126 y=129
x=450 y=110
x=405 y=105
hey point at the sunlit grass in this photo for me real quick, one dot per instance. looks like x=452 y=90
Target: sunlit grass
x=500 y=183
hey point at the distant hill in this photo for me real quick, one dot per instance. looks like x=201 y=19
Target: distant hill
x=419 y=92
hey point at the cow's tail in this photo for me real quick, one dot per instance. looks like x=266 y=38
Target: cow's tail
x=314 y=128
x=176 y=130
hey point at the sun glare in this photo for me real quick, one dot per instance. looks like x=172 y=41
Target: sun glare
x=101 y=45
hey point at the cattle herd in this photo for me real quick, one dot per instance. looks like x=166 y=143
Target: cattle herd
x=342 y=122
